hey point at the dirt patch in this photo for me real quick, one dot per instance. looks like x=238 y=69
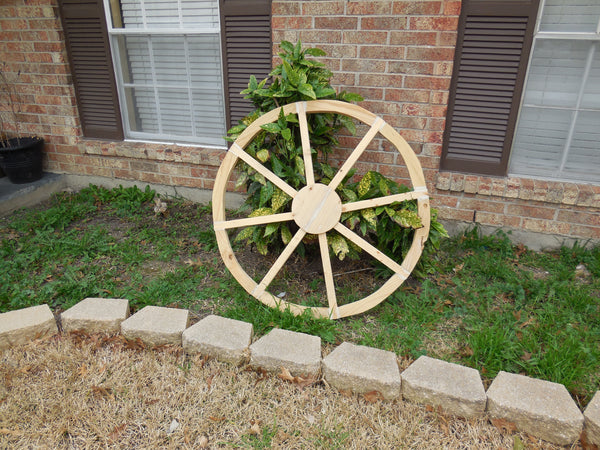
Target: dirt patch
x=76 y=391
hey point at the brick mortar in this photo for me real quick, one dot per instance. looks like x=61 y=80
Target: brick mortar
x=542 y=191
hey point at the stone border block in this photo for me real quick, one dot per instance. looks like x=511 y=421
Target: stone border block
x=541 y=408
x=456 y=389
x=156 y=325
x=300 y=353
x=24 y=325
x=592 y=421
x=96 y=315
x=363 y=369
x=225 y=339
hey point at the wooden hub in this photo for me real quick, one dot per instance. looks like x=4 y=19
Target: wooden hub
x=316 y=209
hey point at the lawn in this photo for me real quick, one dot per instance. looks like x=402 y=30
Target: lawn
x=486 y=304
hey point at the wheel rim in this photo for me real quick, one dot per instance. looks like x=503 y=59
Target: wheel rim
x=316 y=209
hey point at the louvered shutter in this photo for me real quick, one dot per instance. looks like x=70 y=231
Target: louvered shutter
x=91 y=66
x=490 y=64
x=247 y=50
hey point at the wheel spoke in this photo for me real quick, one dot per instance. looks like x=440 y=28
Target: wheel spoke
x=371 y=250
x=360 y=148
x=249 y=221
x=306 y=153
x=382 y=201
x=240 y=153
x=328 y=276
x=274 y=270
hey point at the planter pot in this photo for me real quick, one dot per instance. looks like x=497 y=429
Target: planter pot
x=21 y=159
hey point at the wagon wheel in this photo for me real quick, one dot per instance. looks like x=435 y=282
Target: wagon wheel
x=316 y=209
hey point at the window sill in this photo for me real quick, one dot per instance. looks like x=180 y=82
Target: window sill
x=521 y=188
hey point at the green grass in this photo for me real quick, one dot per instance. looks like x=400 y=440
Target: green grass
x=487 y=304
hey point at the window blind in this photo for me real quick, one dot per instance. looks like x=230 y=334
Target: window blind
x=557 y=135
x=170 y=70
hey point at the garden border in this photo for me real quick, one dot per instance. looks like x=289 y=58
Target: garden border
x=540 y=408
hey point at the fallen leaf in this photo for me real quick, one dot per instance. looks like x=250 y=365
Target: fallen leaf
x=517 y=315
x=526 y=356
x=210 y=378
x=527 y=322
x=286 y=375
x=101 y=391
x=346 y=392
x=203 y=442
x=216 y=419
x=116 y=432
x=504 y=425
x=255 y=429
x=82 y=371
x=373 y=396
x=429 y=408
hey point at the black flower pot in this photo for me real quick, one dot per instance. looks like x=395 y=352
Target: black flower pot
x=21 y=159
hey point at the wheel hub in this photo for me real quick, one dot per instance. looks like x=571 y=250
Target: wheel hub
x=316 y=209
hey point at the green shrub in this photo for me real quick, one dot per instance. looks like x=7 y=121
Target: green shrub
x=278 y=147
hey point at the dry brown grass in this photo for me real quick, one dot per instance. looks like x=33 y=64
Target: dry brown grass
x=77 y=391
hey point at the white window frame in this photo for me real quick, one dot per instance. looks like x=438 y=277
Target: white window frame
x=114 y=33
x=562 y=35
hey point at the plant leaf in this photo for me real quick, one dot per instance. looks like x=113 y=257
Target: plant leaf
x=307 y=90
x=262 y=155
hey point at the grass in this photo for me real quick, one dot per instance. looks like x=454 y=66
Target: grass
x=488 y=304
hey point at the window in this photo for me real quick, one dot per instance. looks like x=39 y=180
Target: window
x=558 y=133
x=179 y=65
x=167 y=56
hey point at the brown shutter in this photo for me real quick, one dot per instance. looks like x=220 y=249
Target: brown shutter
x=492 y=53
x=86 y=37
x=247 y=50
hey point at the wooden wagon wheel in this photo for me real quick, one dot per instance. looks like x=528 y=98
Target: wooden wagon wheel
x=316 y=209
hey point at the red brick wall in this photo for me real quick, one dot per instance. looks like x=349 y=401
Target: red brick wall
x=397 y=54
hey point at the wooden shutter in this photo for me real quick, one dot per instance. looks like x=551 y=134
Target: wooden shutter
x=247 y=50
x=91 y=66
x=492 y=52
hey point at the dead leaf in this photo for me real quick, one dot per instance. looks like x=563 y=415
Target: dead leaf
x=116 y=432
x=82 y=371
x=210 y=378
x=346 y=392
x=286 y=375
x=255 y=429
x=193 y=263
x=429 y=408
x=585 y=443
x=299 y=381
x=529 y=321
x=517 y=315
x=134 y=344
x=101 y=391
x=217 y=419
x=203 y=442
x=373 y=396
x=504 y=425
x=526 y=356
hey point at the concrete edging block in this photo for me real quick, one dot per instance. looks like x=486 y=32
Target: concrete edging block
x=95 y=315
x=541 y=408
x=156 y=325
x=363 y=369
x=24 y=325
x=299 y=353
x=592 y=420
x=225 y=339
x=456 y=389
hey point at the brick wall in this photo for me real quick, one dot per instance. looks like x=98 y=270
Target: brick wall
x=35 y=60
x=397 y=54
